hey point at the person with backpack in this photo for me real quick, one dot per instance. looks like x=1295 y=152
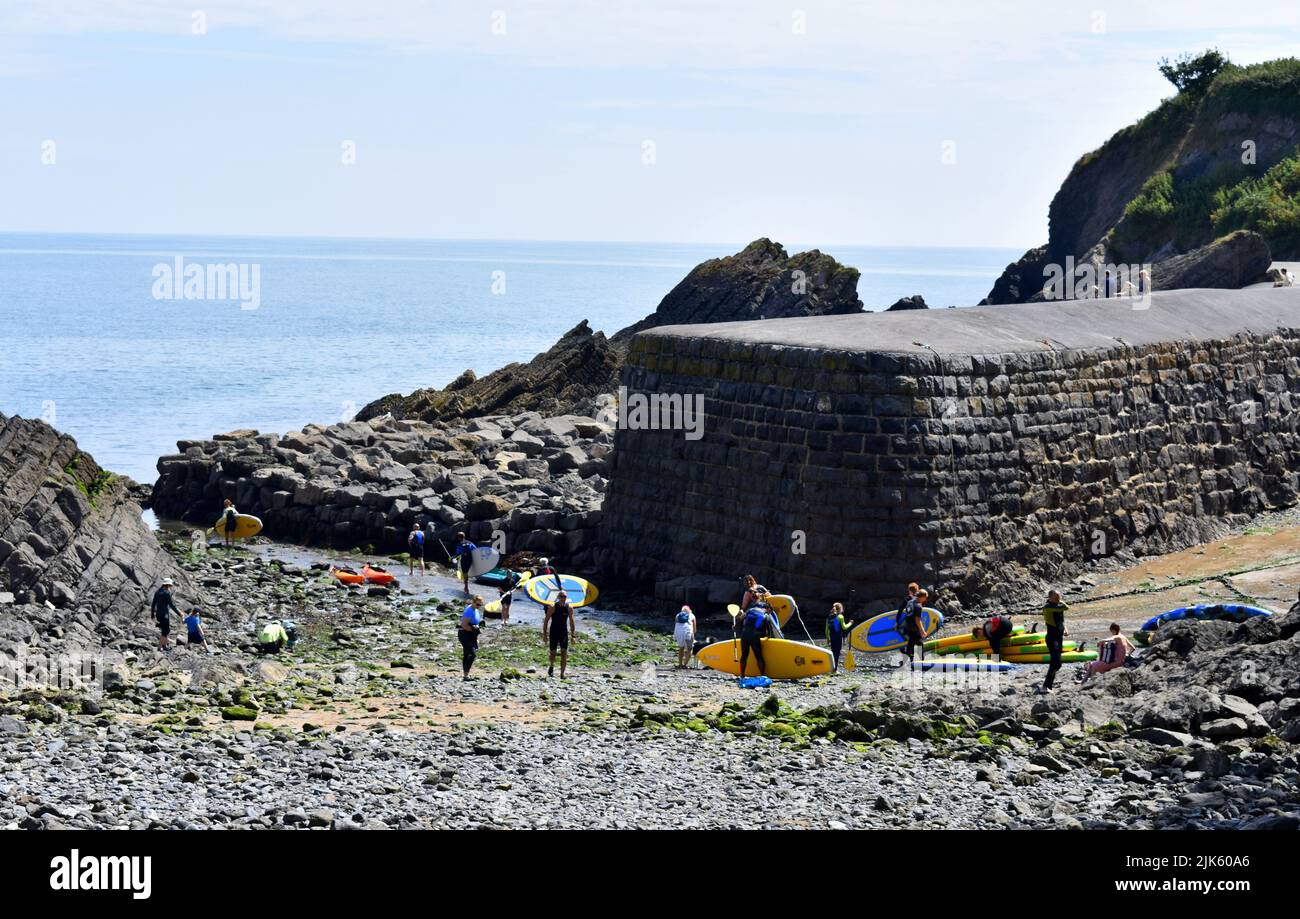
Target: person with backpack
x=464 y=557
x=229 y=521
x=751 y=585
x=557 y=628
x=415 y=549
x=753 y=628
x=468 y=630
x=913 y=628
x=1054 y=619
x=162 y=606
x=684 y=634
x=993 y=630
x=836 y=628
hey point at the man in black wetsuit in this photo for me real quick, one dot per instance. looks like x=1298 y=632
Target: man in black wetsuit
x=163 y=605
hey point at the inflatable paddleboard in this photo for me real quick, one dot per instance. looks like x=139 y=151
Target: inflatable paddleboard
x=960 y=664
x=785 y=660
x=880 y=634
x=580 y=591
x=482 y=560
x=1069 y=657
x=784 y=607
x=977 y=644
x=1038 y=647
x=1224 y=612
x=246 y=525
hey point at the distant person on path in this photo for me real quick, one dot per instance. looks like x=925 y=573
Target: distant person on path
x=557 y=628
x=753 y=626
x=684 y=634
x=471 y=624
x=835 y=629
x=273 y=638
x=1111 y=653
x=464 y=556
x=163 y=605
x=1054 y=619
x=415 y=549
x=194 y=633
x=993 y=630
x=229 y=520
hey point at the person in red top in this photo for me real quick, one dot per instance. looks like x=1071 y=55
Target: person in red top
x=993 y=629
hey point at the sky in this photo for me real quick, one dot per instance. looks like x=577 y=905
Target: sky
x=917 y=123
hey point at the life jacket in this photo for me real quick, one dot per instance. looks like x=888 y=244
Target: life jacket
x=755 y=617
x=998 y=626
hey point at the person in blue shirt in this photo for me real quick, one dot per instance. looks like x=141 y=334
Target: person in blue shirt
x=464 y=556
x=415 y=549
x=468 y=629
x=194 y=630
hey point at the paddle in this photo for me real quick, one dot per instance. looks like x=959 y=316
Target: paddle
x=734 y=610
x=850 y=662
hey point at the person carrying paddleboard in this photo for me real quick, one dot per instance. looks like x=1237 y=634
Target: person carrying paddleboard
x=544 y=570
x=900 y=619
x=557 y=628
x=471 y=624
x=684 y=626
x=464 y=557
x=913 y=629
x=753 y=626
x=229 y=520
x=507 y=594
x=415 y=549
x=835 y=629
x=1054 y=619
x=162 y=607
x=993 y=630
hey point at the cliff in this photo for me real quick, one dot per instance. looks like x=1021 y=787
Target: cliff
x=76 y=560
x=1198 y=168
x=762 y=281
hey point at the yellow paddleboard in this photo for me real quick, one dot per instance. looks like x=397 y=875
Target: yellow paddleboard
x=784 y=607
x=246 y=525
x=785 y=660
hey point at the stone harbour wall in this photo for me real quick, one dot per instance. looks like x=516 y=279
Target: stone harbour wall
x=986 y=452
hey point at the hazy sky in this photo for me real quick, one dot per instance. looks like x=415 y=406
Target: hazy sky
x=695 y=121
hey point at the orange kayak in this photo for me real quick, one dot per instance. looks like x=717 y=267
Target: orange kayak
x=376 y=575
x=347 y=575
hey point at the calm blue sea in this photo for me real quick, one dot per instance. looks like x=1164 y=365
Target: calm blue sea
x=85 y=343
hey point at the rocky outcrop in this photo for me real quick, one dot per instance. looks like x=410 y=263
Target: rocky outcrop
x=1234 y=261
x=1173 y=183
x=762 y=281
x=569 y=377
x=537 y=480
x=76 y=560
x=914 y=302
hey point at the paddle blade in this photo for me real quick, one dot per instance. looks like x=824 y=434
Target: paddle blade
x=850 y=662
x=733 y=609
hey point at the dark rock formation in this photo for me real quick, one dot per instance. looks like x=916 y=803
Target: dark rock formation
x=1021 y=280
x=76 y=560
x=994 y=451
x=914 y=302
x=540 y=481
x=567 y=378
x=761 y=282
x=1234 y=261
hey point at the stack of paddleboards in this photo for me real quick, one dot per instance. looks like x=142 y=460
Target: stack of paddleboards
x=1020 y=647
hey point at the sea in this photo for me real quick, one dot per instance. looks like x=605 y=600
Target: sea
x=130 y=343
